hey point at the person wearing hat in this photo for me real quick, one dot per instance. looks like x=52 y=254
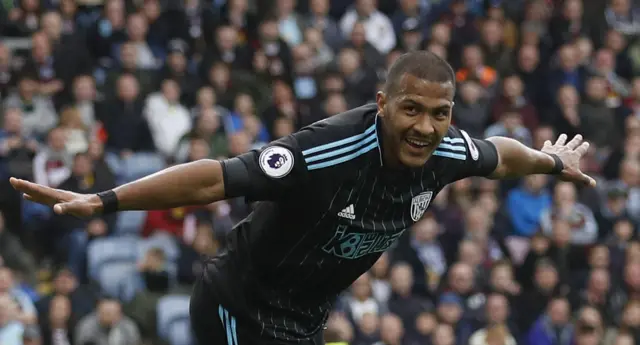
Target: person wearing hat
x=412 y=37
x=176 y=68
x=450 y=311
x=612 y=209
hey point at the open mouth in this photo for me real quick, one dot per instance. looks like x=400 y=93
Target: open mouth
x=417 y=144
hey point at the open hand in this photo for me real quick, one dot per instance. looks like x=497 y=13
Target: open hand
x=62 y=201
x=570 y=154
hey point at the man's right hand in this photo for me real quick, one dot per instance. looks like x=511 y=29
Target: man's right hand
x=62 y=201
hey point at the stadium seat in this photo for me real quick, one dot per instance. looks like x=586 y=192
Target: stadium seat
x=130 y=222
x=173 y=319
x=140 y=165
x=111 y=274
x=110 y=249
x=129 y=287
x=162 y=240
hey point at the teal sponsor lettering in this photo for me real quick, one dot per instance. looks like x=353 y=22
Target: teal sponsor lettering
x=353 y=245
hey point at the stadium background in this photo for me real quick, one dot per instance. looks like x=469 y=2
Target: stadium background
x=97 y=93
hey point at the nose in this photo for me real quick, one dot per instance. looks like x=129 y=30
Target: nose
x=424 y=125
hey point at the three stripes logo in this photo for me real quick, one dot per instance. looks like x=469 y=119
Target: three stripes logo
x=229 y=324
x=452 y=148
x=348 y=212
x=341 y=151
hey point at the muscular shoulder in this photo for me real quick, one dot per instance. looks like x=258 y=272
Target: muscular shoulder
x=462 y=156
x=339 y=139
x=323 y=151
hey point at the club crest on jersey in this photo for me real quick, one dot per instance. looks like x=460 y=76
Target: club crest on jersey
x=276 y=161
x=419 y=204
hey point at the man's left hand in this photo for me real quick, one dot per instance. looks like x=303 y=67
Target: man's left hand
x=570 y=154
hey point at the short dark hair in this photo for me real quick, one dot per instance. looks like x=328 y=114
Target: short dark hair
x=422 y=64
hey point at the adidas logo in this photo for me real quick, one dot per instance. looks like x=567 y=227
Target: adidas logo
x=348 y=212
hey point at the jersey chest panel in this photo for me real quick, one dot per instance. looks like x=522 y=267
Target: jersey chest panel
x=370 y=211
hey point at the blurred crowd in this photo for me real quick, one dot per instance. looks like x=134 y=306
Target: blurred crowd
x=97 y=93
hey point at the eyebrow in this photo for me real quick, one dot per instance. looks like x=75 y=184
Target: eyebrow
x=422 y=106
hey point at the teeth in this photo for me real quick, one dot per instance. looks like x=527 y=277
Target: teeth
x=418 y=143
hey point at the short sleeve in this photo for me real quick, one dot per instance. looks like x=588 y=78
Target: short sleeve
x=288 y=164
x=480 y=158
x=267 y=173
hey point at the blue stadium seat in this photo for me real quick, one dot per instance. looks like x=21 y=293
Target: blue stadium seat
x=129 y=287
x=140 y=165
x=110 y=249
x=166 y=242
x=173 y=319
x=130 y=222
x=180 y=332
x=112 y=273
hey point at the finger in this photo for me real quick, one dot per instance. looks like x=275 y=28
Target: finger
x=38 y=199
x=31 y=188
x=59 y=208
x=561 y=139
x=39 y=193
x=574 y=142
x=588 y=180
x=583 y=149
x=547 y=143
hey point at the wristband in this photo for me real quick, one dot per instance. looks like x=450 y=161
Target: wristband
x=558 y=166
x=109 y=201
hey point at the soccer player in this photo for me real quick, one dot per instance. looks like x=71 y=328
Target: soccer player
x=329 y=200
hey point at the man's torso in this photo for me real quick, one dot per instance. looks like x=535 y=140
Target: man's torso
x=287 y=262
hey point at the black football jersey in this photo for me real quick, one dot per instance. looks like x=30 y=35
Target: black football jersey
x=326 y=209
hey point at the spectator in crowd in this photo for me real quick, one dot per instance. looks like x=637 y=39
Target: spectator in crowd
x=554 y=326
x=168 y=119
x=7 y=70
x=580 y=219
x=107 y=325
x=15 y=256
x=38 y=112
x=526 y=204
x=425 y=255
x=403 y=302
x=11 y=329
x=58 y=326
x=25 y=311
x=472 y=109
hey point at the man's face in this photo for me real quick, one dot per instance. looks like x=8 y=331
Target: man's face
x=366 y=7
x=497 y=309
x=52 y=25
x=84 y=89
x=528 y=58
x=559 y=312
x=546 y=278
x=450 y=313
x=401 y=279
x=319 y=7
x=415 y=119
x=82 y=166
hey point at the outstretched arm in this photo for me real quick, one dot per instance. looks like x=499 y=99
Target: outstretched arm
x=195 y=183
x=517 y=160
x=265 y=174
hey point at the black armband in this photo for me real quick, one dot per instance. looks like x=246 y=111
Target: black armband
x=109 y=201
x=558 y=166
x=235 y=176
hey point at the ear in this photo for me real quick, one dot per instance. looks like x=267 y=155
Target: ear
x=381 y=101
